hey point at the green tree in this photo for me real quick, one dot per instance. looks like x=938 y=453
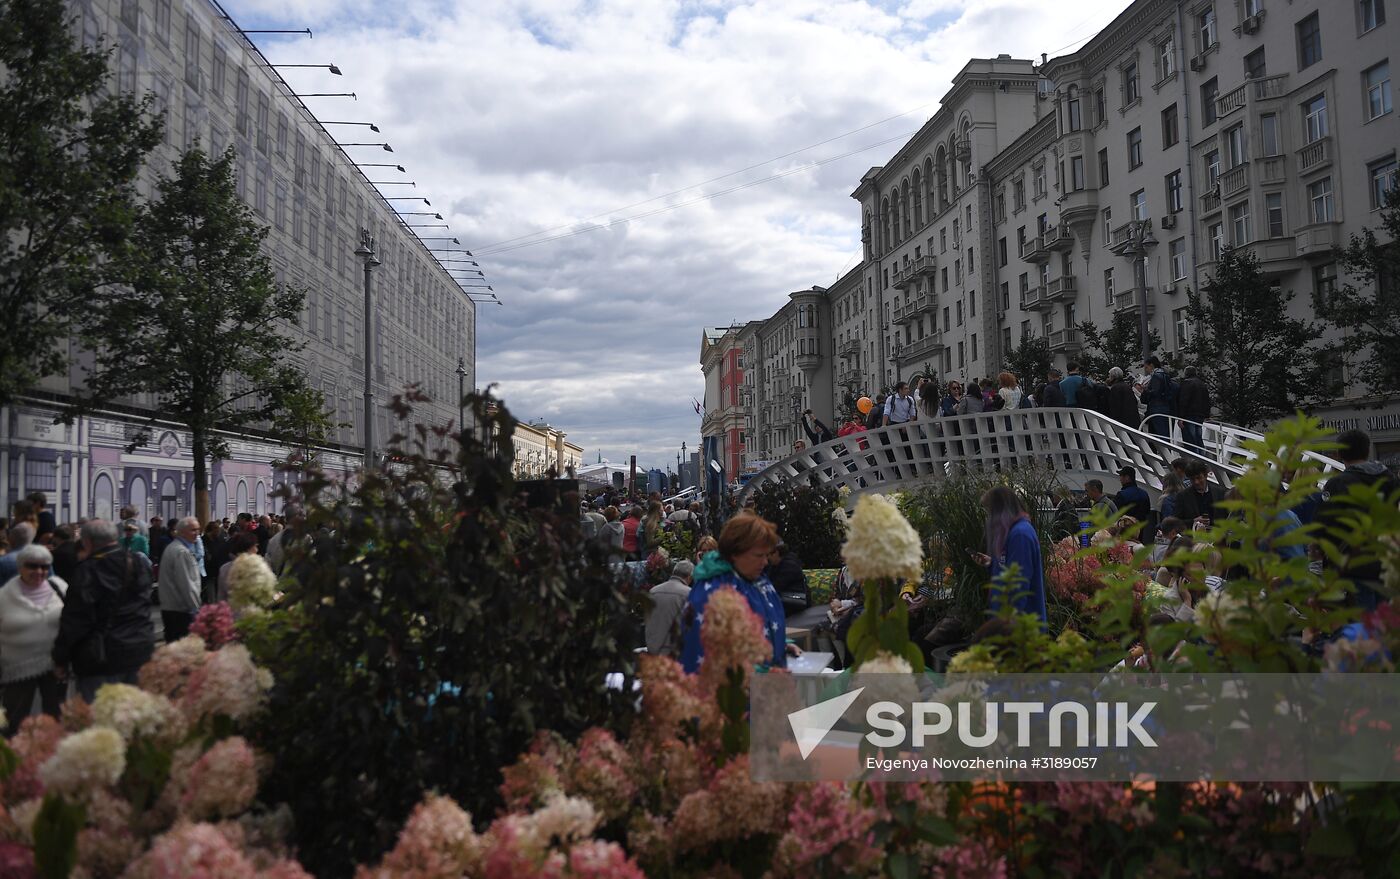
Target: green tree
x=1259 y=363
x=1368 y=310
x=70 y=153
x=201 y=327
x=1120 y=345
x=1029 y=361
x=304 y=422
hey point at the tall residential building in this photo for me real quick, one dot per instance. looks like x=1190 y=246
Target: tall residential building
x=217 y=89
x=1257 y=124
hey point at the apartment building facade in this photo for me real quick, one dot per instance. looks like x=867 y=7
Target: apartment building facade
x=540 y=448
x=1257 y=124
x=218 y=90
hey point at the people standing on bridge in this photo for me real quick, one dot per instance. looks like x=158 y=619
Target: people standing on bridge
x=1157 y=397
x=1193 y=405
x=817 y=433
x=1122 y=402
x=1052 y=394
x=876 y=418
x=948 y=406
x=1011 y=539
x=1072 y=384
x=900 y=408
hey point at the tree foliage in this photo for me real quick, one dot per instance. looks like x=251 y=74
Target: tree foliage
x=1030 y=361
x=1367 y=308
x=70 y=153
x=201 y=328
x=804 y=517
x=434 y=625
x=1120 y=345
x=1259 y=363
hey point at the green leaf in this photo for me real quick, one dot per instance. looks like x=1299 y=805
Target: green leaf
x=56 y=828
x=901 y=865
x=9 y=760
x=1331 y=841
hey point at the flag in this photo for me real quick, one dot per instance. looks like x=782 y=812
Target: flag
x=699 y=409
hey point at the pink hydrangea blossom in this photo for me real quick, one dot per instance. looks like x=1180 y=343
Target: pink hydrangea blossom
x=600 y=774
x=214 y=623
x=223 y=782
x=188 y=851
x=437 y=842
x=732 y=637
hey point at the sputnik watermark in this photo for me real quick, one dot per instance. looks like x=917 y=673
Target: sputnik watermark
x=1114 y=724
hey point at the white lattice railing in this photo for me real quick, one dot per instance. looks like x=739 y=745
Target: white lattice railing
x=1225 y=444
x=1078 y=442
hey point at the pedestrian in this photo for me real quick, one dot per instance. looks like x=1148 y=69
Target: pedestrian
x=1193 y=405
x=44 y=520
x=1010 y=391
x=21 y=534
x=1197 y=503
x=1172 y=485
x=1355 y=453
x=130 y=513
x=105 y=632
x=278 y=548
x=744 y=547
x=948 y=406
x=668 y=599
x=1122 y=404
x=1011 y=540
x=651 y=528
x=179 y=581
x=132 y=538
x=215 y=554
x=613 y=534
x=239 y=544
x=1051 y=394
x=1131 y=498
x=900 y=408
x=1071 y=384
x=1157 y=397
x=30 y=606
x=65 y=552
x=817 y=433
x=159 y=537
x=1098 y=501
x=877 y=413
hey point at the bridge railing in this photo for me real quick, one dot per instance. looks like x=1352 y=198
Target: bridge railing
x=1079 y=442
x=1225 y=444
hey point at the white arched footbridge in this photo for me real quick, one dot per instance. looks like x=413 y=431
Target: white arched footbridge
x=1080 y=443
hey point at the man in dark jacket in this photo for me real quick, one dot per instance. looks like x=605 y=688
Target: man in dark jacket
x=1052 y=395
x=1355 y=452
x=877 y=414
x=785 y=573
x=1157 y=397
x=1197 y=503
x=1193 y=405
x=1131 y=499
x=105 y=633
x=1122 y=402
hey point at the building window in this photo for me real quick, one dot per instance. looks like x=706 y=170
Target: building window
x=1372 y=14
x=1378 y=91
x=1073 y=118
x=1170 y=130
x=1182 y=321
x=1108 y=225
x=1254 y=64
x=1131 y=89
x=1268 y=134
x=962 y=359
x=163 y=21
x=1239 y=224
x=1025 y=282
x=282 y=136
x=1383 y=181
x=1166 y=58
x=1173 y=181
x=264 y=126
x=1139 y=204
x=1209 y=90
x=974 y=346
x=1234 y=146
x=1315 y=119
x=1018 y=192
x=1076 y=173
x=1001 y=252
x=1273 y=213
x=1177 y=251
x=1309 y=32
x=942 y=240
x=1134 y=148
x=1108 y=286
x=192 y=55
x=1039 y=181
x=1212 y=168
x=1100 y=106
x=1324 y=279
x=1217 y=240
x=1103 y=168
x=1005 y=296
x=1205 y=29
x=1320 y=201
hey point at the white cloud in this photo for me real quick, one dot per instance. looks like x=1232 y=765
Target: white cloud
x=516 y=117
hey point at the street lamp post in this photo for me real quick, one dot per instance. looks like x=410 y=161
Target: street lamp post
x=366 y=254
x=1135 y=246
x=462 y=395
x=682 y=456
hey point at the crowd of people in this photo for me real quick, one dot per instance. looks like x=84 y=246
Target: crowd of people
x=83 y=604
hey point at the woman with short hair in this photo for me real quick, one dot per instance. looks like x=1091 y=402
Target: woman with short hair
x=31 y=604
x=738 y=564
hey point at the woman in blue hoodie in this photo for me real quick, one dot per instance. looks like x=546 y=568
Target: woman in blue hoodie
x=1011 y=539
x=744 y=546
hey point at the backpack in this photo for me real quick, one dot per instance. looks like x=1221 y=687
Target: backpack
x=1173 y=391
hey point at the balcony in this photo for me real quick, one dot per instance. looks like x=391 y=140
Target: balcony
x=901 y=278
x=1230 y=101
x=1315 y=155
x=924 y=266
x=1272 y=169
x=1059 y=238
x=919 y=348
x=852 y=377
x=1065 y=340
x=780 y=372
x=1037 y=250
x=1034 y=299
x=1127 y=301
x=909 y=310
x=1234 y=181
x=1061 y=288
x=1265 y=88
x=1210 y=202
x=962 y=149
x=1319 y=239
x=849 y=349
x=1123 y=234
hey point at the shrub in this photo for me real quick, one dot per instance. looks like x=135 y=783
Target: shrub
x=434 y=624
x=803 y=515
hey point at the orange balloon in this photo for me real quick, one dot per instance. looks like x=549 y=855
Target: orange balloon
x=865 y=404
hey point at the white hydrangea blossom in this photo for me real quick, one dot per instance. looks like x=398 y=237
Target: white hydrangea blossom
x=251 y=584
x=561 y=820
x=134 y=712
x=92 y=758
x=881 y=543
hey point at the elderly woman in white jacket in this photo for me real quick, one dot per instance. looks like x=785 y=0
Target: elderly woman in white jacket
x=30 y=606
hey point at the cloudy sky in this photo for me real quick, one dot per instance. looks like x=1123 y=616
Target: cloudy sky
x=594 y=154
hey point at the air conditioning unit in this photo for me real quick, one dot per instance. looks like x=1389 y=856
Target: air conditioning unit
x=1198 y=63
x=1169 y=221
x=1169 y=289
x=1250 y=25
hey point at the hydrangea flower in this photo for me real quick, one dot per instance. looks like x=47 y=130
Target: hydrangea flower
x=880 y=542
x=134 y=712
x=214 y=623
x=189 y=850
x=227 y=683
x=83 y=761
x=223 y=782
x=251 y=584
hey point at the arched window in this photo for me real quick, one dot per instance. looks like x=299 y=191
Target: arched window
x=965 y=155
x=1073 y=119
x=136 y=494
x=904 y=226
x=242 y=499
x=941 y=162
x=102 y=506
x=888 y=225
x=918 y=192
x=169 y=500
x=261 y=498
x=220 y=508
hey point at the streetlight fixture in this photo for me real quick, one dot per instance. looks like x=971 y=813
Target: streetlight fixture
x=407 y=198
x=366 y=254
x=331 y=67
x=393 y=182
x=430 y=238
x=1135 y=244
x=419 y=214
x=401 y=168
x=370 y=125
x=387 y=148
x=462 y=395
x=448 y=250
x=350 y=95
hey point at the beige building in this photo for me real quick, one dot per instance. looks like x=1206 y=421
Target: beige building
x=540 y=448
x=218 y=90
x=1192 y=125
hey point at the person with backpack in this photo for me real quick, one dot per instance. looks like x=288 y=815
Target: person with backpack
x=1072 y=384
x=1157 y=395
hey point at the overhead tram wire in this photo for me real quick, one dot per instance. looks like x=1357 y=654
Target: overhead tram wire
x=711 y=180
x=487 y=251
